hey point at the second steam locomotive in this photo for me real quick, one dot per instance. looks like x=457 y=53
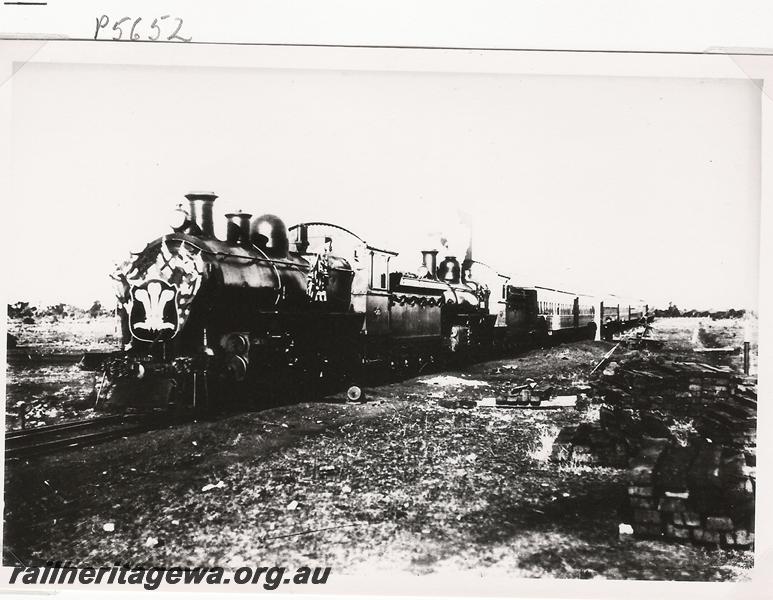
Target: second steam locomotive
x=275 y=312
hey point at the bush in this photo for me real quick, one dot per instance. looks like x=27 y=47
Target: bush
x=96 y=309
x=20 y=310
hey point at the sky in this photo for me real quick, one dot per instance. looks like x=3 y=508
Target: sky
x=644 y=187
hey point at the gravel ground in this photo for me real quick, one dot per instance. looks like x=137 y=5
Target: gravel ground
x=399 y=481
x=48 y=394
x=49 y=389
x=684 y=334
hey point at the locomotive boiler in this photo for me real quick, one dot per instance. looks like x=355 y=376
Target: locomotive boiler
x=205 y=319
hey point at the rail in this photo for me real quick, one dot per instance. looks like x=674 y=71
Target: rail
x=36 y=441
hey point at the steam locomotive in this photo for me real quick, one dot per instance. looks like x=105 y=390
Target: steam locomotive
x=274 y=312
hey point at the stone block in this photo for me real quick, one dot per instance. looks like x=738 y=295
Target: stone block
x=615 y=455
x=640 y=502
x=673 y=469
x=607 y=418
x=652 y=448
x=672 y=505
x=705 y=468
x=683 y=495
x=679 y=533
x=691 y=519
x=641 y=474
x=740 y=490
x=744 y=537
x=732 y=467
x=654 y=427
x=647 y=530
x=646 y=516
x=741 y=512
x=719 y=524
x=707 y=500
x=705 y=536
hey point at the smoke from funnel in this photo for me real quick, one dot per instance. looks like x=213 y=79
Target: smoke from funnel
x=456 y=237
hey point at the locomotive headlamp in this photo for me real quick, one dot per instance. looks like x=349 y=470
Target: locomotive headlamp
x=138 y=371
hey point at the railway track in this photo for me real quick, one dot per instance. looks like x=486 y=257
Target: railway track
x=48 y=439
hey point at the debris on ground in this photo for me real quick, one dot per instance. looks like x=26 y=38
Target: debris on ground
x=450 y=380
x=213 y=486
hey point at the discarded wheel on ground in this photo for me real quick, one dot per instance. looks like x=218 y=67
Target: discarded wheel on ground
x=354 y=393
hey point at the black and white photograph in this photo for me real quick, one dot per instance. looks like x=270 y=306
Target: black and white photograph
x=381 y=312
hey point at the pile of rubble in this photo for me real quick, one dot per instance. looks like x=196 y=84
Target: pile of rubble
x=687 y=433
x=733 y=420
x=609 y=442
x=699 y=488
x=680 y=388
x=702 y=492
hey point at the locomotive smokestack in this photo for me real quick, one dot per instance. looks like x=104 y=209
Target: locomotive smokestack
x=429 y=261
x=201 y=212
x=238 y=228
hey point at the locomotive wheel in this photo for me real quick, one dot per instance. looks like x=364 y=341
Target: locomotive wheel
x=354 y=393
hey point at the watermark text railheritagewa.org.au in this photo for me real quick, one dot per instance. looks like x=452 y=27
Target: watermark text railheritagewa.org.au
x=270 y=578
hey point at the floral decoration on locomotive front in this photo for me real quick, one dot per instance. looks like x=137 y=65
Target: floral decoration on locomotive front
x=155 y=290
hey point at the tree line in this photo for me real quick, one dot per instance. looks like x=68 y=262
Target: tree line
x=673 y=311
x=28 y=313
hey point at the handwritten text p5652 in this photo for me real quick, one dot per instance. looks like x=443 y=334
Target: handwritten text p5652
x=164 y=28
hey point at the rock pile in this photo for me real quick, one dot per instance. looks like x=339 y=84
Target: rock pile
x=680 y=388
x=701 y=489
x=687 y=433
x=609 y=442
x=733 y=420
x=590 y=444
x=702 y=492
